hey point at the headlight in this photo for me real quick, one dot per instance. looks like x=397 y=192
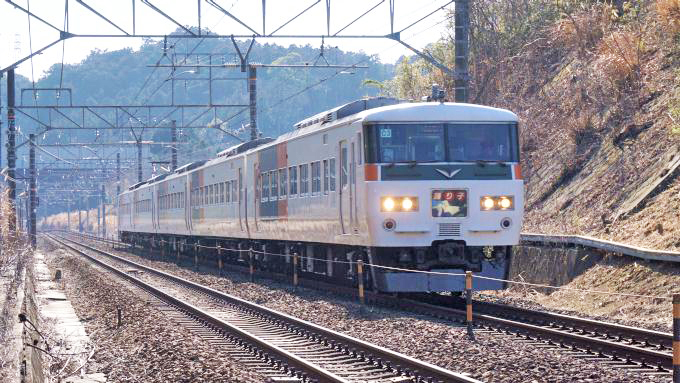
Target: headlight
x=488 y=203
x=497 y=202
x=399 y=204
x=388 y=204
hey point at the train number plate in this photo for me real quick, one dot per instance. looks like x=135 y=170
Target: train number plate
x=449 y=203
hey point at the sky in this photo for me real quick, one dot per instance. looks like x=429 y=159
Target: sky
x=17 y=42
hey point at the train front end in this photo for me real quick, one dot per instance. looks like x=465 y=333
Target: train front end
x=444 y=193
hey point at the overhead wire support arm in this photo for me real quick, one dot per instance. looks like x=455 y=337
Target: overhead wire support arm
x=159 y=11
x=219 y=8
x=295 y=17
x=89 y=8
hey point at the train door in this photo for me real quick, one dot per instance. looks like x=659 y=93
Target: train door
x=344 y=192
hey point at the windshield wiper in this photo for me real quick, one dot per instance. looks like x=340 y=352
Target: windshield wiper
x=483 y=163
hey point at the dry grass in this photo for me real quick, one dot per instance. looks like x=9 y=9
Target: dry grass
x=61 y=221
x=619 y=55
x=668 y=14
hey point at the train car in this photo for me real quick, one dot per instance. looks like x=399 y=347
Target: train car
x=427 y=186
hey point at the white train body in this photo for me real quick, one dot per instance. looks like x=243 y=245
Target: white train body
x=323 y=190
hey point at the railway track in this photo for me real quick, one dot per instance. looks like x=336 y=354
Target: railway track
x=280 y=346
x=619 y=346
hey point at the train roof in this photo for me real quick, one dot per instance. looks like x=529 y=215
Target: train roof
x=436 y=111
x=347 y=110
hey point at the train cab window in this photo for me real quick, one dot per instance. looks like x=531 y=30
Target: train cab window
x=331 y=166
x=292 y=172
x=283 y=183
x=325 y=176
x=274 y=180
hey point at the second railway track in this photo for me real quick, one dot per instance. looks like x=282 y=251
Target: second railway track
x=277 y=344
x=615 y=345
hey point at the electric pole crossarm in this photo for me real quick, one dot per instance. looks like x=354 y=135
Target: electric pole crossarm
x=81 y=2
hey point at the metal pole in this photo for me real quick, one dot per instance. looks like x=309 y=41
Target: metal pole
x=68 y=215
x=80 y=219
x=139 y=160
x=252 y=91
x=252 y=266
x=196 y=245
x=173 y=133
x=1 y=76
x=676 y=338
x=219 y=258
x=87 y=213
x=103 y=200
x=117 y=174
x=31 y=190
x=468 y=301
x=462 y=28
x=360 y=275
x=295 y=271
x=11 y=153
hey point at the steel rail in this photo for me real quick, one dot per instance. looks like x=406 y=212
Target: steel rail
x=415 y=366
x=591 y=336
x=314 y=371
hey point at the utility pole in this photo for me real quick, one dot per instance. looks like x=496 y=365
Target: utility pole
x=103 y=199
x=99 y=215
x=80 y=219
x=11 y=153
x=87 y=214
x=117 y=174
x=1 y=76
x=462 y=31
x=139 y=159
x=173 y=133
x=32 y=232
x=252 y=91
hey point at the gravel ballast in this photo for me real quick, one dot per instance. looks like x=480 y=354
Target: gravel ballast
x=148 y=347
x=491 y=358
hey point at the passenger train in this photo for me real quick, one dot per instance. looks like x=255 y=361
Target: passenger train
x=427 y=186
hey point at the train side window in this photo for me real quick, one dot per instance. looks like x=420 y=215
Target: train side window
x=265 y=187
x=274 y=185
x=325 y=176
x=283 y=183
x=316 y=177
x=344 y=170
x=221 y=192
x=304 y=180
x=227 y=192
x=292 y=171
x=234 y=191
x=332 y=177
x=359 y=148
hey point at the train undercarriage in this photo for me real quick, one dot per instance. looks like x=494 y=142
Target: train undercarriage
x=338 y=263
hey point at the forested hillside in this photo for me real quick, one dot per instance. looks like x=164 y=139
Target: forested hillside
x=597 y=87
x=285 y=95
